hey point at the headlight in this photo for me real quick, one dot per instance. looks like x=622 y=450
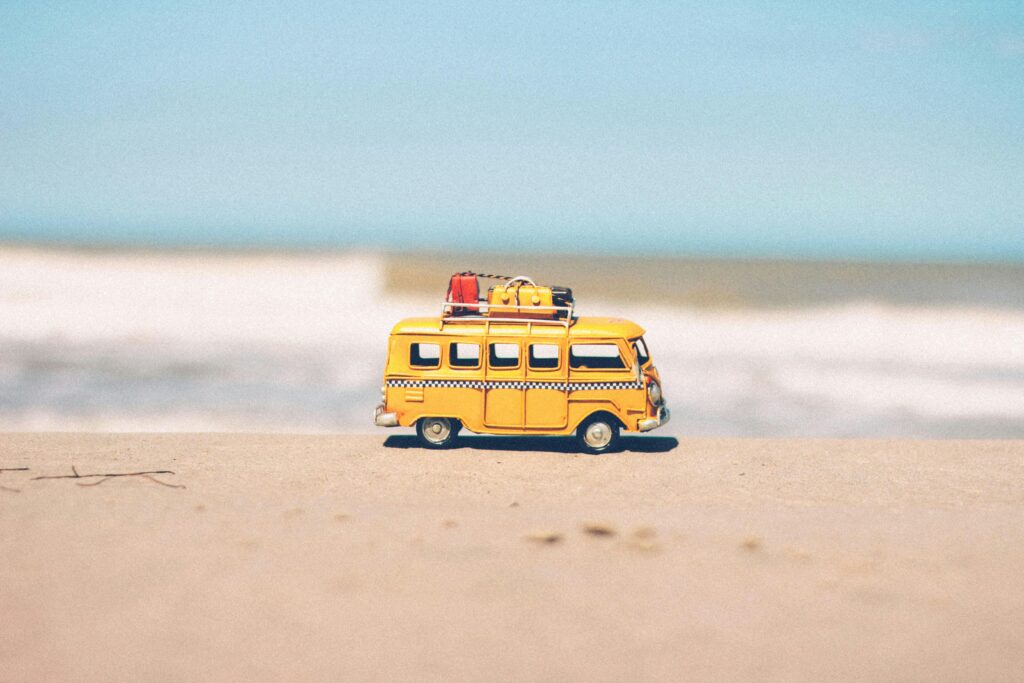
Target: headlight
x=654 y=392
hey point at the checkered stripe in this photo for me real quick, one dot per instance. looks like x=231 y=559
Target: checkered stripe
x=480 y=384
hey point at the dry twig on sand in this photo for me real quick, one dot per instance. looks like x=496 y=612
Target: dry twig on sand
x=111 y=475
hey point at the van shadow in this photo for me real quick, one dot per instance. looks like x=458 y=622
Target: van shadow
x=544 y=444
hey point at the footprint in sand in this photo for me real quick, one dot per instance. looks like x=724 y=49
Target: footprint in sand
x=544 y=537
x=598 y=529
x=643 y=540
x=751 y=544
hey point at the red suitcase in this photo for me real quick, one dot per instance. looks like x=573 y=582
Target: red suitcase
x=464 y=289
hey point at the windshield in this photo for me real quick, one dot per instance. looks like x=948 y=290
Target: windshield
x=641 y=351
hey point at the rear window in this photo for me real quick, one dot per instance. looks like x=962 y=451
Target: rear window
x=504 y=356
x=462 y=355
x=595 y=357
x=424 y=355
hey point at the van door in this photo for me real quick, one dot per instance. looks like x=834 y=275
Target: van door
x=604 y=371
x=547 y=390
x=503 y=393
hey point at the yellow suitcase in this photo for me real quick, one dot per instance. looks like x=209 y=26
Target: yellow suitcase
x=520 y=300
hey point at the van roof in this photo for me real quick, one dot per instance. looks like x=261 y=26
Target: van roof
x=583 y=326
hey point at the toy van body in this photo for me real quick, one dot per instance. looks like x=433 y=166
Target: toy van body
x=588 y=376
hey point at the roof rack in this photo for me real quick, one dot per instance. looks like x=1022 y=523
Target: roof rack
x=448 y=316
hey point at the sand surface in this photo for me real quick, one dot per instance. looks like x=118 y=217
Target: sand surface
x=355 y=558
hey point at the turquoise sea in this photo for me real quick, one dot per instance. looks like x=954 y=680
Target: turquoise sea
x=881 y=246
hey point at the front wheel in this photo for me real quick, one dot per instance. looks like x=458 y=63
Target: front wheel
x=598 y=434
x=437 y=432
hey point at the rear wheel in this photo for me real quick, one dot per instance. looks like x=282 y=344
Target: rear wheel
x=598 y=434
x=437 y=432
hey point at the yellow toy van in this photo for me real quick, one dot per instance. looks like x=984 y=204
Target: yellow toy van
x=519 y=362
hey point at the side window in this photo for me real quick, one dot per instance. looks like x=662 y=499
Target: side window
x=424 y=355
x=463 y=355
x=544 y=356
x=504 y=356
x=595 y=357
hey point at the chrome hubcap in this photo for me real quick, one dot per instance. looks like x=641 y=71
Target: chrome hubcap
x=437 y=429
x=598 y=435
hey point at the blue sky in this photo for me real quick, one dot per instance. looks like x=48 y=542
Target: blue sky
x=879 y=130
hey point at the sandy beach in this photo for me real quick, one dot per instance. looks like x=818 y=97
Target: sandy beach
x=253 y=557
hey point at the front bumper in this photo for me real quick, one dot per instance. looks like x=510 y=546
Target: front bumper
x=647 y=424
x=382 y=419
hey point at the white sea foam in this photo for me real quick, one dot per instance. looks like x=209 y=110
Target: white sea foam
x=111 y=341
x=185 y=298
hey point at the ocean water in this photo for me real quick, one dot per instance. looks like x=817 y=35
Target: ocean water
x=177 y=341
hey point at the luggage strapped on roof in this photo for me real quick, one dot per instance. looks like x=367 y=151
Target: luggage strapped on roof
x=519 y=298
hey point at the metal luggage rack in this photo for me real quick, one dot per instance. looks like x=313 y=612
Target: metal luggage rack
x=447 y=315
